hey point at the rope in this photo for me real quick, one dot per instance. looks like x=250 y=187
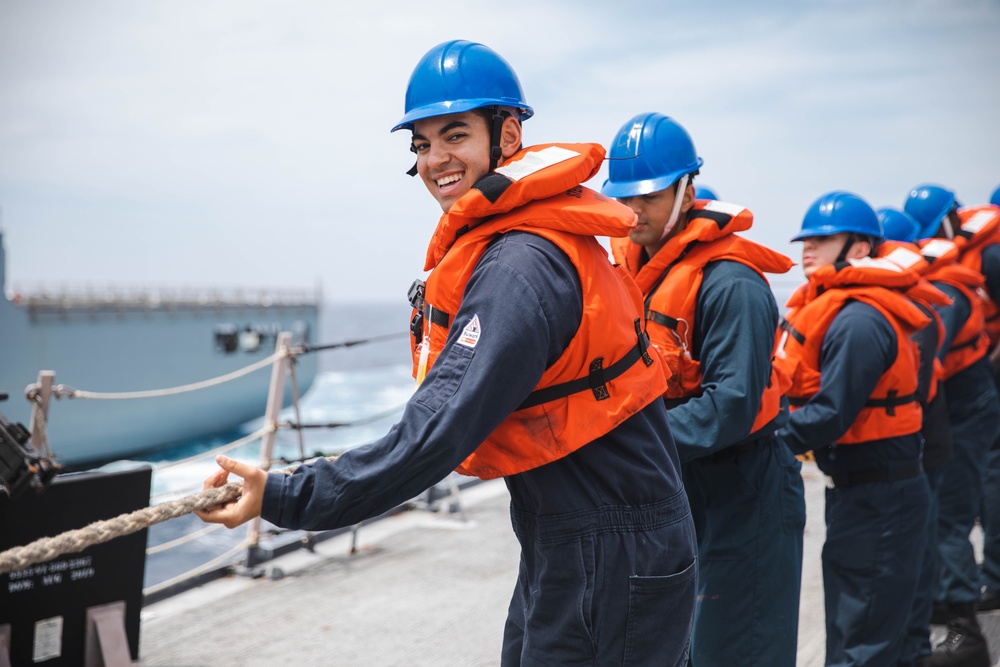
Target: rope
x=218 y=450
x=184 y=539
x=306 y=349
x=205 y=567
x=364 y=420
x=72 y=541
x=47 y=548
x=64 y=391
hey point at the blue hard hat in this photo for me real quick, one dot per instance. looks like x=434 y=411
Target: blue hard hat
x=459 y=76
x=897 y=225
x=649 y=153
x=928 y=204
x=995 y=197
x=702 y=192
x=837 y=212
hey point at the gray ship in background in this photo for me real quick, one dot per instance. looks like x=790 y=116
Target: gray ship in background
x=120 y=340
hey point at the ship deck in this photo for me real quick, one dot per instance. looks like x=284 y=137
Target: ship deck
x=423 y=589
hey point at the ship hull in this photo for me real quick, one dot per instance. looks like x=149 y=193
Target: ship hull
x=122 y=347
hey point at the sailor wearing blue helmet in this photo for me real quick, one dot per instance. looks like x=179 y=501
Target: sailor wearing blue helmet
x=712 y=315
x=846 y=344
x=974 y=416
x=532 y=366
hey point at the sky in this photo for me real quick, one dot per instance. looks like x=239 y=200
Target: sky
x=246 y=143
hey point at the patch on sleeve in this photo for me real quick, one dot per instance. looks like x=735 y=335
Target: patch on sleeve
x=470 y=334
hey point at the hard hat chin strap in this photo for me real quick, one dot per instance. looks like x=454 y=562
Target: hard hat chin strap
x=850 y=241
x=675 y=212
x=496 y=128
x=949 y=229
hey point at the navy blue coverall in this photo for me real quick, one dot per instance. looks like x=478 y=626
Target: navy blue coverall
x=974 y=416
x=608 y=571
x=936 y=451
x=746 y=493
x=990 y=515
x=874 y=529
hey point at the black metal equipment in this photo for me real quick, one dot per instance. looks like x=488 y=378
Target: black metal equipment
x=21 y=467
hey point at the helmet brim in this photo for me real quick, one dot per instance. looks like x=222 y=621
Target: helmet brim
x=459 y=106
x=645 y=186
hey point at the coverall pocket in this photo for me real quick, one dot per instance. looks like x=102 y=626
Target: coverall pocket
x=448 y=370
x=793 y=503
x=659 y=618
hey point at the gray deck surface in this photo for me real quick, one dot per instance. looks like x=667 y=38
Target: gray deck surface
x=424 y=589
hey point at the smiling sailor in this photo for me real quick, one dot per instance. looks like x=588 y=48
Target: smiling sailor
x=537 y=371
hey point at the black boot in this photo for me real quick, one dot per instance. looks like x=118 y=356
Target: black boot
x=965 y=645
x=989 y=600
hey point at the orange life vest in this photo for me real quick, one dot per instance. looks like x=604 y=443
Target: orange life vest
x=893 y=409
x=971 y=343
x=980 y=228
x=670 y=282
x=907 y=256
x=606 y=374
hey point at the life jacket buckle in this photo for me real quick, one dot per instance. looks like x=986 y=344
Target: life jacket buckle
x=597 y=380
x=643 y=343
x=415 y=295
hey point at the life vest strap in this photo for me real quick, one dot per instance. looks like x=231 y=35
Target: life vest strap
x=890 y=402
x=786 y=326
x=661 y=319
x=969 y=343
x=597 y=377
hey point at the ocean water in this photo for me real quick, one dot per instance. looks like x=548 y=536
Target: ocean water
x=362 y=386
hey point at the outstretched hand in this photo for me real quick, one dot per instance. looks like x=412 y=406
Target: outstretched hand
x=248 y=505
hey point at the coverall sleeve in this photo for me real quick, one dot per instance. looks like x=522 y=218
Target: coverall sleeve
x=735 y=323
x=953 y=316
x=526 y=295
x=991 y=270
x=859 y=347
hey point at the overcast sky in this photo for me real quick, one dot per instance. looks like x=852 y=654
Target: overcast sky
x=246 y=143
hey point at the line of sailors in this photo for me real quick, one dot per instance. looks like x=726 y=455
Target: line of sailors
x=882 y=369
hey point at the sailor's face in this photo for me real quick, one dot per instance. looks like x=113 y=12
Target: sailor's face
x=452 y=154
x=819 y=251
x=652 y=212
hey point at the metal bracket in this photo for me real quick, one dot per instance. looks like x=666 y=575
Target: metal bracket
x=106 y=643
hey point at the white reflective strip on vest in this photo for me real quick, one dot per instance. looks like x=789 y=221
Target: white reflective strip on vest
x=535 y=161
x=724 y=207
x=904 y=257
x=937 y=248
x=875 y=263
x=975 y=224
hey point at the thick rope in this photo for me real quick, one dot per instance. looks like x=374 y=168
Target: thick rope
x=47 y=548
x=63 y=391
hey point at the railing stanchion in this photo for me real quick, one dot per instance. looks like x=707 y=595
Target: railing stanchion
x=44 y=389
x=274 y=400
